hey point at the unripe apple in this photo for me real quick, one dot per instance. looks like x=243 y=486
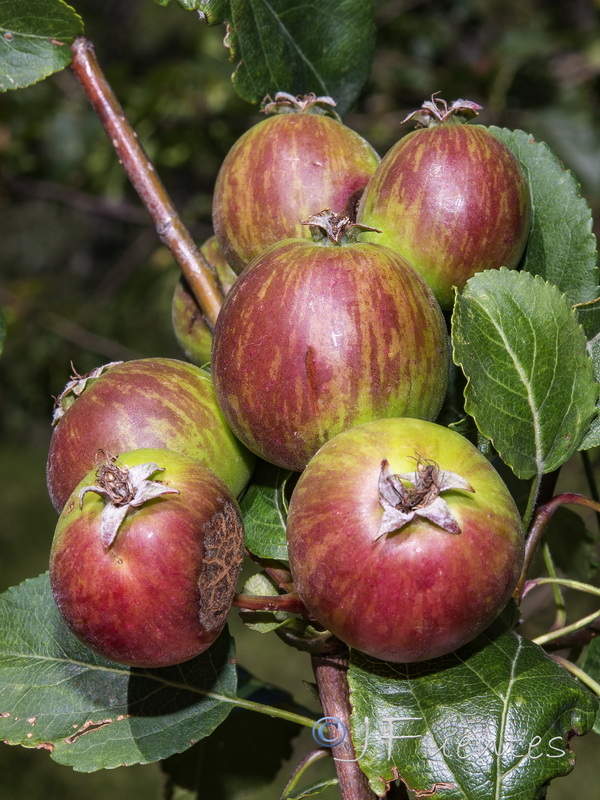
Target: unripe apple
x=151 y=402
x=282 y=170
x=403 y=540
x=145 y=558
x=314 y=338
x=451 y=198
x=192 y=332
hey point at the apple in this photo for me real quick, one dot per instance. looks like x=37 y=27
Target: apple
x=315 y=337
x=451 y=198
x=192 y=332
x=152 y=402
x=285 y=168
x=145 y=558
x=403 y=540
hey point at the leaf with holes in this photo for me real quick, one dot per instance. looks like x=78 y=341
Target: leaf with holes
x=493 y=719
x=90 y=713
x=561 y=247
x=531 y=387
x=298 y=47
x=34 y=40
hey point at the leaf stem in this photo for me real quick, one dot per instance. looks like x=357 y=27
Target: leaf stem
x=574 y=626
x=561 y=609
x=578 y=672
x=541 y=519
x=169 y=226
x=307 y=761
x=566 y=582
x=283 y=602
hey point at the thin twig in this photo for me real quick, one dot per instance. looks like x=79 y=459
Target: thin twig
x=278 y=602
x=141 y=173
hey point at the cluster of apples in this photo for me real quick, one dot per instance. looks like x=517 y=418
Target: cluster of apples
x=330 y=357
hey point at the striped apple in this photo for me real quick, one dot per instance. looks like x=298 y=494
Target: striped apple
x=282 y=170
x=153 y=402
x=403 y=539
x=451 y=198
x=313 y=339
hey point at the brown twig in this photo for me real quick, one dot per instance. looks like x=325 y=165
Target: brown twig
x=331 y=675
x=141 y=173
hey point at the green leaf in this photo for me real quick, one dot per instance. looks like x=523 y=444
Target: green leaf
x=34 y=40
x=531 y=387
x=91 y=713
x=592 y=438
x=244 y=754
x=492 y=720
x=264 y=508
x=561 y=247
x=320 y=46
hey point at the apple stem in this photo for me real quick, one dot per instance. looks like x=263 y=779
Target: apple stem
x=541 y=519
x=255 y=602
x=331 y=674
x=276 y=571
x=169 y=226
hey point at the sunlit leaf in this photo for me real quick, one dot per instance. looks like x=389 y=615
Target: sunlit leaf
x=264 y=509
x=34 y=40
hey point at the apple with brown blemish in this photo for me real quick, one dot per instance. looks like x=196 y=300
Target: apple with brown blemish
x=145 y=558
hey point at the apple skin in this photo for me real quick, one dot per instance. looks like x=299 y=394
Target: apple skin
x=418 y=593
x=313 y=339
x=280 y=172
x=453 y=200
x=154 y=402
x=191 y=331
x=160 y=594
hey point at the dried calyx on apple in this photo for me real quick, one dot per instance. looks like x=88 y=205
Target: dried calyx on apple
x=422 y=499
x=124 y=488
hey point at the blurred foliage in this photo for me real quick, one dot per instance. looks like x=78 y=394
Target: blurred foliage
x=83 y=278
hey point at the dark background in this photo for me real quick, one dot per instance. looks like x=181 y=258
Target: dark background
x=84 y=280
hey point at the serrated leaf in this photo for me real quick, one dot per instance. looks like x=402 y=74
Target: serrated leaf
x=492 y=720
x=562 y=247
x=264 y=509
x=592 y=438
x=244 y=754
x=531 y=387
x=91 y=713
x=34 y=40
x=325 y=47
